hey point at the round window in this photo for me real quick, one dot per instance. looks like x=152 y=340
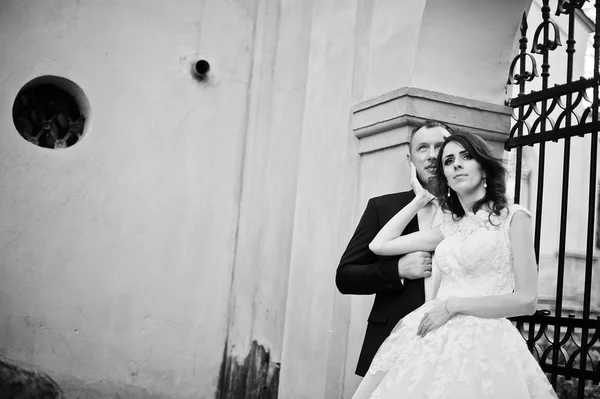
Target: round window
x=51 y=112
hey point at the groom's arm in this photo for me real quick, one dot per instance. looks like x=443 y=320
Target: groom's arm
x=361 y=271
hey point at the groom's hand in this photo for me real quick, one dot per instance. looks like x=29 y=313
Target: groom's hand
x=415 y=265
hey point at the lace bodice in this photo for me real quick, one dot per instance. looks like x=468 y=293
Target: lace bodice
x=475 y=257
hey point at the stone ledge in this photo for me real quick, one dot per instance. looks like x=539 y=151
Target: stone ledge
x=386 y=121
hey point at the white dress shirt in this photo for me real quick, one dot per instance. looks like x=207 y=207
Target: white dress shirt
x=430 y=215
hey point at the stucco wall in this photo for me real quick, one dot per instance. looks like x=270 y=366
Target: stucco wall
x=116 y=254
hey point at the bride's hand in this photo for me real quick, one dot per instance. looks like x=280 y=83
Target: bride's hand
x=436 y=317
x=420 y=193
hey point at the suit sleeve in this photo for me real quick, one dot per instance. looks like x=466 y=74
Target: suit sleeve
x=362 y=272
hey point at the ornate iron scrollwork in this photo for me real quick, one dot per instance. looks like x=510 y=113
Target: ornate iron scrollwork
x=568 y=347
x=567 y=6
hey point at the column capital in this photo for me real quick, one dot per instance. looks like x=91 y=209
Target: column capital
x=387 y=120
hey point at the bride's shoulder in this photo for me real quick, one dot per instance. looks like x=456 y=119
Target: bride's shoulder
x=510 y=211
x=514 y=208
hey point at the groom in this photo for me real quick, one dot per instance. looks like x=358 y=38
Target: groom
x=396 y=281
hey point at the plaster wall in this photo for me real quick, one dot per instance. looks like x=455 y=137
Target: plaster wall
x=456 y=48
x=257 y=304
x=116 y=255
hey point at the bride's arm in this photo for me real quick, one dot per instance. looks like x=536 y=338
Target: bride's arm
x=432 y=283
x=523 y=300
x=435 y=282
x=389 y=240
x=418 y=241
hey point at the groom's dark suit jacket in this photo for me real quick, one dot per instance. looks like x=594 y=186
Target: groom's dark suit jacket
x=361 y=272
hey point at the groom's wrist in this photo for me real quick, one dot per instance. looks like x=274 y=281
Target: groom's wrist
x=389 y=269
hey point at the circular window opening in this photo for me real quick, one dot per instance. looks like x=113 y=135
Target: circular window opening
x=51 y=112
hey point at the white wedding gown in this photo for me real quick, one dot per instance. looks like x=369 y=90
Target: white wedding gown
x=468 y=357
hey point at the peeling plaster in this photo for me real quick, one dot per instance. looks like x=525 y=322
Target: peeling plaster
x=256 y=376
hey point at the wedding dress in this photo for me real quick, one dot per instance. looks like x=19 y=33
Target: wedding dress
x=468 y=357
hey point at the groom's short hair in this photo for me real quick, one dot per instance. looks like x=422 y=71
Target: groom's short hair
x=429 y=123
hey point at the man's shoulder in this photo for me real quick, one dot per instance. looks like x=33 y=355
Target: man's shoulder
x=394 y=198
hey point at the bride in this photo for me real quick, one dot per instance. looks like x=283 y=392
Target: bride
x=460 y=345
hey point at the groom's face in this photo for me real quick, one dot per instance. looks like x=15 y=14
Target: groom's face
x=425 y=145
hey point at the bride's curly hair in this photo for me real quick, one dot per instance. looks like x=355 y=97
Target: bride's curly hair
x=495 y=193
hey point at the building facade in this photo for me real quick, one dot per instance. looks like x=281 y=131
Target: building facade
x=186 y=246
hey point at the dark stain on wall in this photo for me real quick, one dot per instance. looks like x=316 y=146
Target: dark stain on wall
x=256 y=378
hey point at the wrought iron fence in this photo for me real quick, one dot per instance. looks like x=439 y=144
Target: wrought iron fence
x=566 y=346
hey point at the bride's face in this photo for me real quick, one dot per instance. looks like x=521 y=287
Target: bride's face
x=464 y=174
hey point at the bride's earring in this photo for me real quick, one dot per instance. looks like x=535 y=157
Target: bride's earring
x=484 y=183
x=448 y=192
